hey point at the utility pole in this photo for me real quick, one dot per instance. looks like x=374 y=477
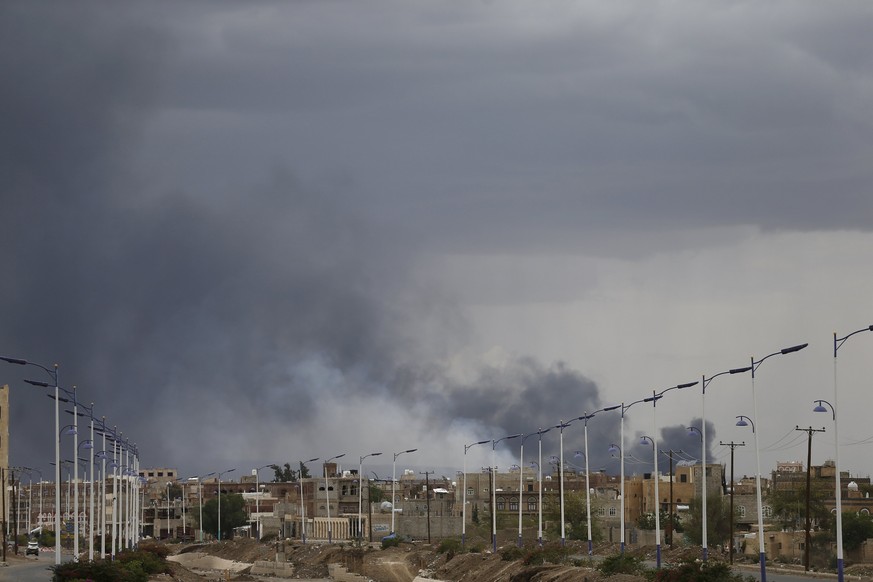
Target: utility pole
x=809 y=431
x=427 y=475
x=670 y=518
x=733 y=446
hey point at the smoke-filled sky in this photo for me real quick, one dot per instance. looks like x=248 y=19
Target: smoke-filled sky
x=261 y=232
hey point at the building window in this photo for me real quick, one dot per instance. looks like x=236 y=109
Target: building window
x=160 y=473
x=513 y=505
x=530 y=487
x=741 y=511
x=768 y=511
x=612 y=512
x=501 y=505
x=470 y=491
x=531 y=505
x=683 y=478
x=709 y=471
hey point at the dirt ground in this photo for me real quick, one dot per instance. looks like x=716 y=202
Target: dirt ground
x=409 y=562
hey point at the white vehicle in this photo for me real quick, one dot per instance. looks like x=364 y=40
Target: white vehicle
x=32 y=548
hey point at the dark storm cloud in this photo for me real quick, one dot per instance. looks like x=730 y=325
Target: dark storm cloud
x=168 y=308
x=153 y=252
x=550 y=127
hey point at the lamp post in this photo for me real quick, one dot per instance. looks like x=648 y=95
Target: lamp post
x=561 y=426
x=464 y=504
x=746 y=421
x=200 y=499
x=327 y=496
x=494 y=490
x=394 y=483
x=521 y=481
x=620 y=449
x=219 y=499
x=53 y=373
x=361 y=492
x=540 y=434
x=169 y=529
x=586 y=417
x=755 y=364
x=540 y=502
x=654 y=400
x=257 y=473
x=89 y=446
x=704 y=382
x=302 y=504
x=838 y=343
x=70 y=429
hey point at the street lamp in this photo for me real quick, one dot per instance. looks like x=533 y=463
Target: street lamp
x=464 y=504
x=219 y=500
x=755 y=365
x=360 y=492
x=620 y=450
x=585 y=418
x=704 y=382
x=53 y=373
x=327 y=496
x=654 y=400
x=302 y=504
x=561 y=426
x=257 y=473
x=200 y=499
x=692 y=430
x=394 y=483
x=838 y=490
x=169 y=529
x=494 y=490
x=521 y=480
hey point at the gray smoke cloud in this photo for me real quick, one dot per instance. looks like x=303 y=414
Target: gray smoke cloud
x=192 y=318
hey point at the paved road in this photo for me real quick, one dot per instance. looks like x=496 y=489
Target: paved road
x=30 y=569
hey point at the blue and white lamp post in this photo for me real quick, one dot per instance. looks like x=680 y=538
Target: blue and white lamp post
x=586 y=417
x=838 y=343
x=704 y=382
x=464 y=503
x=755 y=364
x=494 y=490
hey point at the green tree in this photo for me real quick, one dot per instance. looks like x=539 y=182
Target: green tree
x=789 y=506
x=856 y=529
x=718 y=520
x=376 y=494
x=233 y=514
x=284 y=474
x=304 y=471
x=575 y=517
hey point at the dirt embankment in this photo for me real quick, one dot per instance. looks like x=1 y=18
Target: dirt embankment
x=414 y=562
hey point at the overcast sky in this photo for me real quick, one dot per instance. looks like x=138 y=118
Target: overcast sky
x=261 y=232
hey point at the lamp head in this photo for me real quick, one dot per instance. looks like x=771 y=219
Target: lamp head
x=740 y=370
x=793 y=349
x=741 y=421
x=614 y=450
x=819 y=407
x=688 y=384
